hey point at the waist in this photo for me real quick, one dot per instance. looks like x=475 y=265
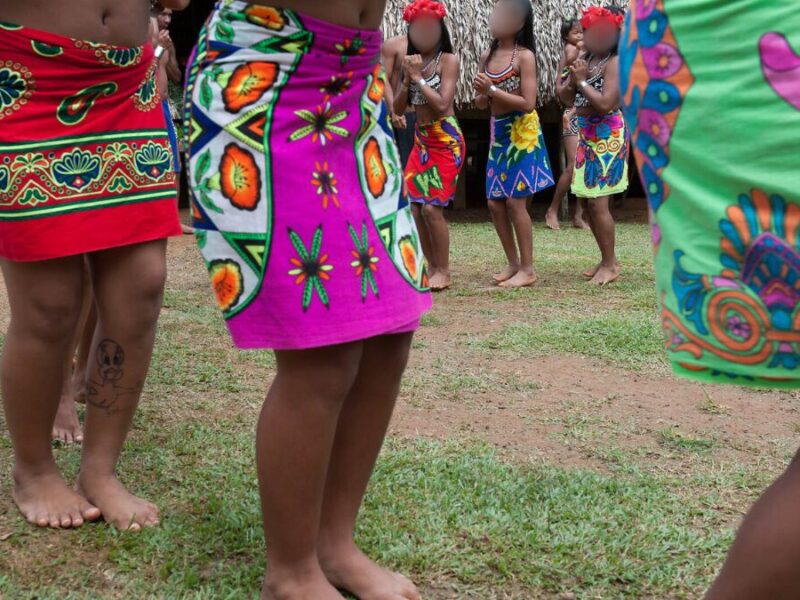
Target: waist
x=63 y=51
x=303 y=33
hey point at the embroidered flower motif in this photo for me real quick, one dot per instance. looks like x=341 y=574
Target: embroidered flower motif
x=325 y=182
x=321 y=124
x=310 y=268
x=76 y=169
x=337 y=85
x=350 y=48
x=13 y=87
x=227 y=282
x=153 y=160
x=365 y=263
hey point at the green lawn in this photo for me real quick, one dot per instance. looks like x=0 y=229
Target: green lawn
x=645 y=508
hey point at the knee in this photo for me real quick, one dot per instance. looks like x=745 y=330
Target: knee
x=431 y=213
x=335 y=370
x=569 y=171
x=140 y=306
x=517 y=207
x=50 y=319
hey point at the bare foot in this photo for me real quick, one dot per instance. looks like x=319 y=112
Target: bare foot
x=298 y=587
x=187 y=230
x=606 y=275
x=67 y=427
x=47 y=501
x=520 y=280
x=589 y=273
x=440 y=281
x=580 y=224
x=120 y=508
x=506 y=273
x=551 y=220
x=351 y=570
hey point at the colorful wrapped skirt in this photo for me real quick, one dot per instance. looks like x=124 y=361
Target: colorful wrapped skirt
x=518 y=164
x=297 y=187
x=435 y=163
x=715 y=131
x=85 y=163
x=601 y=161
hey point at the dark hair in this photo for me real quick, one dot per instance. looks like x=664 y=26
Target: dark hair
x=567 y=26
x=524 y=37
x=445 y=42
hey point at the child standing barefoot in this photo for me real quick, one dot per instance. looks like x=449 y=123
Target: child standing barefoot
x=572 y=35
x=312 y=252
x=84 y=175
x=601 y=163
x=430 y=76
x=518 y=163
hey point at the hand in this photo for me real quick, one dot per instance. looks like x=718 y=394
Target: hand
x=482 y=84
x=579 y=70
x=413 y=67
x=399 y=122
x=571 y=54
x=165 y=40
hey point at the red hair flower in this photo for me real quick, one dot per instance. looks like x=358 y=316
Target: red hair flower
x=596 y=14
x=424 y=8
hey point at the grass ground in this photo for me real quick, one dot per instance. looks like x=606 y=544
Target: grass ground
x=541 y=449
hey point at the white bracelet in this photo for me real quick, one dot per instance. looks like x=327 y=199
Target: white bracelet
x=422 y=83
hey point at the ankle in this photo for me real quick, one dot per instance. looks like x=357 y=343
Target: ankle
x=25 y=471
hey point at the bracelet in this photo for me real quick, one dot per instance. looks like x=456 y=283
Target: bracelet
x=422 y=83
x=583 y=84
x=492 y=91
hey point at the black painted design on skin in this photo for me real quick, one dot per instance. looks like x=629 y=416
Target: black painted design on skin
x=103 y=390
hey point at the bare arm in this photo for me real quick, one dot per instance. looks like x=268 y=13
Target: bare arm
x=565 y=88
x=481 y=100
x=525 y=103
x=400 y=101
x=608 y=99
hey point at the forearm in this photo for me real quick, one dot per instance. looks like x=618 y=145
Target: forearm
x=566 y=94
x=600 y=101
x=435 y=100
x=482 y=101
x=400 y=103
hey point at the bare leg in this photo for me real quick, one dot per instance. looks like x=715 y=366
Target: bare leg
x=762 y=563
x=67 y=427
x=362 y=427
x=45 y=300
x=128 y=286
x=425 y=238
x=439 y=235
x=502 y=224
x=571 y=146
x=84 y=350
x=583 y=203
x=604 y=232
x=295 y=438
x=186 y=229
x=523 y=228
x=563 y=185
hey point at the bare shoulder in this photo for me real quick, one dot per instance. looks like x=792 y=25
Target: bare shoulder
x=451 y=60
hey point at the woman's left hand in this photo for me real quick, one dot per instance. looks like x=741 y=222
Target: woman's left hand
x=413 y=67
x=580 y=70
x=482 y=84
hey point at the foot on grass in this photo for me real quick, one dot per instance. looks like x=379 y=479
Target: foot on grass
x=551 y=220
x=589 y=273
x=119 y=507
x=349 y=569
x=47 y=501
x=520 y=280
x=605 y=275
x=506 y=273
x=580 y=224
x=67 y=427
x=440 y=281
x=298 y=587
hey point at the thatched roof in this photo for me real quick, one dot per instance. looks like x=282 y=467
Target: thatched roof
x=468 y=21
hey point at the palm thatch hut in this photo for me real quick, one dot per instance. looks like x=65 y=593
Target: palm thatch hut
x=468 y=21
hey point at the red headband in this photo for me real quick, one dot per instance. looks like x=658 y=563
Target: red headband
x=424 y=8
x=596 y=14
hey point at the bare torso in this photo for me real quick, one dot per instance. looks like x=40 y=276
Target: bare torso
x=118 y=22
x=361 y=14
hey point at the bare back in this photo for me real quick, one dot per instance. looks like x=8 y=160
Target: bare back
x=360 y=14
x=117 y=22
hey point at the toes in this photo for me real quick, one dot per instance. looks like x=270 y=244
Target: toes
x=65 y=521
x=53 y=521
x=38 y=520
x=90 y=513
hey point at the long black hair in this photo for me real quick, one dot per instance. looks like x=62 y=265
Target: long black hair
x=524 y=37
x=568 y=25
x=445 y=42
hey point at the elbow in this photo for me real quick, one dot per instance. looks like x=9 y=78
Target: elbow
x=529 y=107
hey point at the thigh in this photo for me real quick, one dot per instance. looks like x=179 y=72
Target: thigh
x=325 y=371
x=571 y=147
x=386 y=356
x=45 y=295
